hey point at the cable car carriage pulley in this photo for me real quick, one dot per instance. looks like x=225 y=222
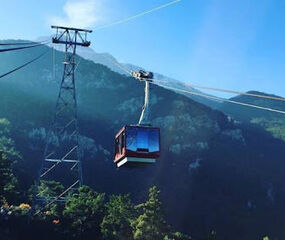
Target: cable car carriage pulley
x=137 y=145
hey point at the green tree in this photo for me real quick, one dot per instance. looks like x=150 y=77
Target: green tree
x=7 y=145
x=8 y=182
x=116 y=224
x=150 y=225
x=50 y=189
x=84 y=211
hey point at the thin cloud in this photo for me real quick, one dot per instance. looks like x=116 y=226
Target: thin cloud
x=79 y=13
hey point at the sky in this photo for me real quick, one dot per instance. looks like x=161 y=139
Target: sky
x=228 y=44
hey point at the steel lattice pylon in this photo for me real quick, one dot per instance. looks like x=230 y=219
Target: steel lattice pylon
x=62 y=157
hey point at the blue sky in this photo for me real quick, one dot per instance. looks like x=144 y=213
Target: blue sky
x=230 y=44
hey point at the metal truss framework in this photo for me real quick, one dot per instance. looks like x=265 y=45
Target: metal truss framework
x=62 y=157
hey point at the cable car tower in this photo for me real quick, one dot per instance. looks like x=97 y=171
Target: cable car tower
x=62 y=157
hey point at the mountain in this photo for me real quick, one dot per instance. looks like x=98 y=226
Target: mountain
x=214 y=173
x=270 y=121
x=123 y=68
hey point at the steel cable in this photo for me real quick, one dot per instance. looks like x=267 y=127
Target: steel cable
x=20 y=48
x=24 y=65
x=225 y=100
x=23 y=43
x=228 y=91
x=136 y=16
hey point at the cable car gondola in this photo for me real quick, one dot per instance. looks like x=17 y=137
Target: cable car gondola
x=137 y=145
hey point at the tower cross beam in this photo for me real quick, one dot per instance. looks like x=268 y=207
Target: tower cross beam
x=71 y=36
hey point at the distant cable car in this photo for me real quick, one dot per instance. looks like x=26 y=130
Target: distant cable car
x=137 y=145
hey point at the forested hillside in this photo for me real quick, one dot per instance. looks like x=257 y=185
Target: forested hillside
x=214 y=173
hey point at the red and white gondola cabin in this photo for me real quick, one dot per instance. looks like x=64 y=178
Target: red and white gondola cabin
x=135 y=145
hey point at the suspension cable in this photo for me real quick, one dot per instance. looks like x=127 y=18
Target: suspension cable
x=214 y=97
x=201 y=87
x=24 y=65
x=136 y=16
x=225 y=100
x=228 y=91
x=117 y=64
x=20 y=48
x=22 y=43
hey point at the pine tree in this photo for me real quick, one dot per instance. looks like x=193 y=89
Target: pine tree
x=116 y=224
x=84 y=211
x=150 y=225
